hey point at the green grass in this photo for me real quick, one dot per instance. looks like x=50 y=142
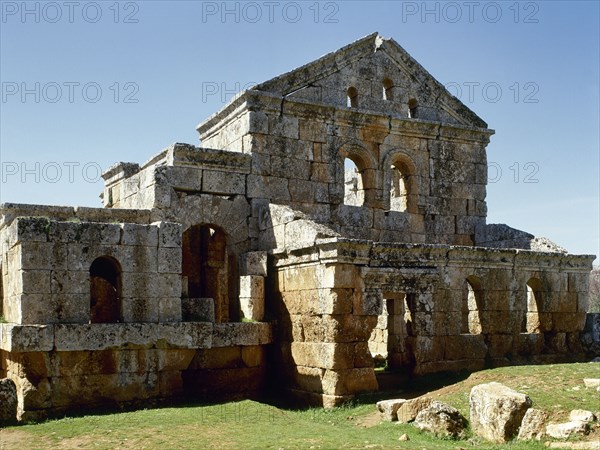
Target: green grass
x=249 y=424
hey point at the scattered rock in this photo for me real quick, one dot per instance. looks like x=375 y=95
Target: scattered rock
x=596 y=359
x=564 y=430
x=591 y=382
x=8 y=402
x=441 y=419
x=404 y=437
x=532 y=425
x=582 y=416
x=408 y=411
x=389 y=408
x=497 y=411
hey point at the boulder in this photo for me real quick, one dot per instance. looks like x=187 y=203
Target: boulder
x=582 y=416
x=565 y=430
x=408 y=410
x=532 y=425
x=389 y=408
x=8 y=402
x=441 y=419
x=497 y=411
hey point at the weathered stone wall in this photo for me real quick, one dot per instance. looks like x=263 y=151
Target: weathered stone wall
x=298 y=153
x=48 y=264
x=322 y=350
x=61 y=362
x=59 y=368
x=329 y=302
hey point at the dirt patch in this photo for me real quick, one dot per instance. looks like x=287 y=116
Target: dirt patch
x=369 y=420
x=14 y=439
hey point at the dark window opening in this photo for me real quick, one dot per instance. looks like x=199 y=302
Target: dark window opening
x=388 y=89
x=352 y=99
x=413 y=108
x=105 y=290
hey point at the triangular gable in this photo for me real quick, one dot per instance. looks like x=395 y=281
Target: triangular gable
x=432 y=94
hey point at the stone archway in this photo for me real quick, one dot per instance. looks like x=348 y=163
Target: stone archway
x=209 y=268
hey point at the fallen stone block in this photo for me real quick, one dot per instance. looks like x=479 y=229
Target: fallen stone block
x=441 y=419
x=565 y=430
x=389 y=408
x=532 y=425
x=409 y=410
x=497 y=411
x=581 y=415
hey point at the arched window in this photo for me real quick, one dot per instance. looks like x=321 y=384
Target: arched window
x=402 y=184
x=105 y=290
x=388 y=89
x=471 y=306
x=531 y=320
x=352 y=99
x=413 y=107
x=398 y=188
x=354 y=193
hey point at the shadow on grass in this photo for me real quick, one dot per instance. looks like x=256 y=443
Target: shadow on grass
x=392 y=385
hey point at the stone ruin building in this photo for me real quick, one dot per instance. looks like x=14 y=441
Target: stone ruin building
x=334 y=219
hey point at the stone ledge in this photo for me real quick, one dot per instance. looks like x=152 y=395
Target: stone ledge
x=93 y=337
x=26 y=338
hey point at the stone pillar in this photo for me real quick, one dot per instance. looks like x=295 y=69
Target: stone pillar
x=327 y=348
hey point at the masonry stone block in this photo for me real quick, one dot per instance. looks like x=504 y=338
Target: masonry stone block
x=135 y=234
x=253 y=263
x=223 y=183
x=169 y=234
x=169 y=260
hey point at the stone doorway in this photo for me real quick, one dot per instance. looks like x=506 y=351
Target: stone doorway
x=209 y=268
x=389 y=343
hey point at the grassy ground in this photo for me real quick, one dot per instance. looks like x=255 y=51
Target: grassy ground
x=247 y=424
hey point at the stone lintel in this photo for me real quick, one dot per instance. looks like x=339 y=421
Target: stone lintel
x=208 y=158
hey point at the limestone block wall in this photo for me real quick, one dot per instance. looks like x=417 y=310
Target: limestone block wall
x=48 y=267
x=79 y=367
x=322 y=352
x=448 y=309
x=298 y=151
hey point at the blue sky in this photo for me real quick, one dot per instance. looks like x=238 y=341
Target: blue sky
x=86 y=84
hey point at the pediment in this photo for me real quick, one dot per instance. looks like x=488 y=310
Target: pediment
x=385 y=79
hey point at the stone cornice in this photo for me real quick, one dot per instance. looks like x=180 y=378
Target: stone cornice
x=252 y=100
x=397 y=255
